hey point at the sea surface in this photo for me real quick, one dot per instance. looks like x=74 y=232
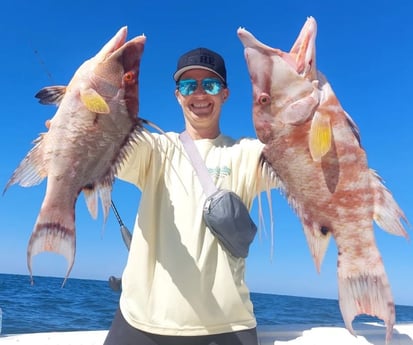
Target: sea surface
x=90 y=305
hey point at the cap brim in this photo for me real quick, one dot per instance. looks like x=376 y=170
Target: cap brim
x=181 y=71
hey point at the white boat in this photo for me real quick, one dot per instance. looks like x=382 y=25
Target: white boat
x=367 y=333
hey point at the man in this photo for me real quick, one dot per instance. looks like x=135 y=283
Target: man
x=180 y=284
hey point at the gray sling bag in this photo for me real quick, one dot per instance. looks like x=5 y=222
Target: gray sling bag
x=224 y=212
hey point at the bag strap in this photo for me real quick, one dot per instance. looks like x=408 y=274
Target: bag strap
x=199 y=165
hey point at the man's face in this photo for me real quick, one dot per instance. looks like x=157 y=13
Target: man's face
x=202 y=110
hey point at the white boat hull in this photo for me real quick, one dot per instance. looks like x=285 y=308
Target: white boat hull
x=369 y=333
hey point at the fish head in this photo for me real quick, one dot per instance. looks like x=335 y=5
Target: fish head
x=285 y=86
x=113 y=72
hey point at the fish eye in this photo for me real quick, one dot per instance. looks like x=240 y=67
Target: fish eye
x=264 y=99
x=129 y=76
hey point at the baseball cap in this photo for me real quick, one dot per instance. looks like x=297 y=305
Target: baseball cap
x=202 y=58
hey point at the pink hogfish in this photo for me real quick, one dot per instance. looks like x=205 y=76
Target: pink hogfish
x=313 y=147
x=88 y=138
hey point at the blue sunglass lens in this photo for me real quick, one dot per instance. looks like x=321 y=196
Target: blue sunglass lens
x=187 y=87
x=211 y=86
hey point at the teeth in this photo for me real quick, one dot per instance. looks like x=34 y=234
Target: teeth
x=200 y=105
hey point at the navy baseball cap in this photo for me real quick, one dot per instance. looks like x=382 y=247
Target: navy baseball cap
x=202 y=58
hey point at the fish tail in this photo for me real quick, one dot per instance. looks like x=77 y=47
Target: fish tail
x=53 y=232
x=365 y=289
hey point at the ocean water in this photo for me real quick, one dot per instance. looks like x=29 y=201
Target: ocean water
x=91 y=304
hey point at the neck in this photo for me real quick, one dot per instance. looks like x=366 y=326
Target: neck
x=203 y=133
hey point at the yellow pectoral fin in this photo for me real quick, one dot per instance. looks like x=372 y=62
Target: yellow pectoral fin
x=94 y=102
x=320 y=136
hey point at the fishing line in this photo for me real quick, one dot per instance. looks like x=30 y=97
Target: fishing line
x=116 y=283
x=41 y=61
x=126 y=234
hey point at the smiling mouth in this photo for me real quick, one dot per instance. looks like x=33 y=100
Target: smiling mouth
x=201 y=108
x=200 y=105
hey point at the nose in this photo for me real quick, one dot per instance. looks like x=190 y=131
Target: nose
x=199 y=88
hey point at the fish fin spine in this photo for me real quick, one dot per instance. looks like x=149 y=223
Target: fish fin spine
x=51 y=94
x=387 y=213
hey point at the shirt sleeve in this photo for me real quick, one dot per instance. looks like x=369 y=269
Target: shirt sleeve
x=138 y=159
x=263 y=178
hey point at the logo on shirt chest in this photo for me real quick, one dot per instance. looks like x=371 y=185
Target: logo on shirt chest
x=219 y=172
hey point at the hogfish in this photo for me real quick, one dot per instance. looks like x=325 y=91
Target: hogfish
x=312 y=146
x=87 y=139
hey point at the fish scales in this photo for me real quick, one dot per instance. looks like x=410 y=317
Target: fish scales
x=312 y=146
x=87 y=139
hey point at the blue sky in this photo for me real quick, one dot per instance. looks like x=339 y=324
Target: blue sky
x=364 y=48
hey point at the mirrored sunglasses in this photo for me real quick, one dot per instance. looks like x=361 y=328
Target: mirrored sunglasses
x=211 y=86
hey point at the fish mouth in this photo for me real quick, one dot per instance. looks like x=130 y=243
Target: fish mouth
x=128 y=54
x=254 y=48
x=298 y=53
x=131 y=53
x=121 y=67
x=248 y=40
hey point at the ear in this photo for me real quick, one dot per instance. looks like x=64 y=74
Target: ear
x=178 y=97
x=225 y=94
